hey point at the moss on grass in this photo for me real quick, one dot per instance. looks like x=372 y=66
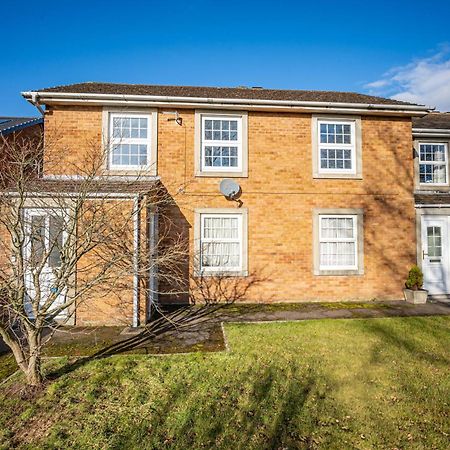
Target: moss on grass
x=7 y=366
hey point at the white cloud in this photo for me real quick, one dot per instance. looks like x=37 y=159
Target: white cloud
x=425 y=81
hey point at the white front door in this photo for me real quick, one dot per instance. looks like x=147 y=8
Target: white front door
x=435 y=254
x=44 y=243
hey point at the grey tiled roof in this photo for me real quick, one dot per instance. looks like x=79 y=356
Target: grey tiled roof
x=435 y=120
x=433 y=198
x=11 y=124
x=223 y=92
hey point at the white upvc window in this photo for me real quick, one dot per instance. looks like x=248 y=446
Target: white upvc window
x=338 y=242
x=433 y=163
x=130 y=141
x=336 y=146
x=221 y=143
x=221 y=243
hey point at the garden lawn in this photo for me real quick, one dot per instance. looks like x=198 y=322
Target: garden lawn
x=359 y=383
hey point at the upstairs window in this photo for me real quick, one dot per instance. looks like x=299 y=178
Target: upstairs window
x=130 y=141
x=336 y=146
x=433 y=167
x=221 y=143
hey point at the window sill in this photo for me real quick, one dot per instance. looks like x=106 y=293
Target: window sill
x=345 y=273
x=350 y=176
x=145 y=172
x=221 y=174
x=433 y=187
x=238 y=273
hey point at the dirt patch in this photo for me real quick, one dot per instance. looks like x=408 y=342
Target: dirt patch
x=37 y=428
x=23 y=391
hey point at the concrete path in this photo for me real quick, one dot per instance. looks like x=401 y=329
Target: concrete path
x=318 y=311
x=205 y=333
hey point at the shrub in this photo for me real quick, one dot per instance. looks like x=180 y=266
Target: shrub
x=415 y=278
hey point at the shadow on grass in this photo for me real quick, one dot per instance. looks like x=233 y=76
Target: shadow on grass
x=264 y=414
x=186 y=319
x=410 y=343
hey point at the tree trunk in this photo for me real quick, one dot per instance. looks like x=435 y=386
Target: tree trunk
x=34 y=370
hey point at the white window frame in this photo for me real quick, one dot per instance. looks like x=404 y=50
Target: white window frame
x=240 y=239
x=435 y=163
x=220 y=143
x=351 y=147
x=139 y=141
x=354 y=239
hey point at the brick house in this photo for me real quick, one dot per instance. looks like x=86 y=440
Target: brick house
x=329 y=186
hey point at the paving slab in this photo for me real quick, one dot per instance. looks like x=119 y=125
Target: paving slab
x=320 y=311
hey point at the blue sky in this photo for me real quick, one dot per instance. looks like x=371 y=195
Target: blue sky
x=326 y=45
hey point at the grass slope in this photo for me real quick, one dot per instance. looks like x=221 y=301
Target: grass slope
x=364 y=383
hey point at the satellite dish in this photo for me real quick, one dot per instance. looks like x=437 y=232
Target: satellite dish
x=230 y=189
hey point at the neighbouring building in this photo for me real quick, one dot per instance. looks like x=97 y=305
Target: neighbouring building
x=432 y=196
x=329 y=185
x=23 y=125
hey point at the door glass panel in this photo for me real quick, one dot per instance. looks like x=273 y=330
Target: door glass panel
x=55 y=241
x=37 y=240
x=434 y=239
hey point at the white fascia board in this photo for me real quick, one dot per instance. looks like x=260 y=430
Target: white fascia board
x=431 y=132
x=105 y=195
x=443 y=205
x=131 y=178
x=224 y=103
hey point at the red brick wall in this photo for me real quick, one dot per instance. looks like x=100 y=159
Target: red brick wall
x=280 y=194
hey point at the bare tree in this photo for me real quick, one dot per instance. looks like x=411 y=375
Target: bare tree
x=71 y=240
x=64 y=242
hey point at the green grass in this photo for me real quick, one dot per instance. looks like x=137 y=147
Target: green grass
x=363 y=383
x=7 y=366
x=252 y=308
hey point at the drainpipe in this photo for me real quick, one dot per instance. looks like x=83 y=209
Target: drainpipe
x=34 y=101
x=136 y=246
x=152 y=236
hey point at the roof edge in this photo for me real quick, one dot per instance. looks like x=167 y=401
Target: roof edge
x=60 y=97
x=20 y=126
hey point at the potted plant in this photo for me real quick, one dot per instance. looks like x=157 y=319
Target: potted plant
x=413 y=291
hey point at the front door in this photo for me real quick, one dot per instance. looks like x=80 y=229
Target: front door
x=435 y=254
x=43 y=246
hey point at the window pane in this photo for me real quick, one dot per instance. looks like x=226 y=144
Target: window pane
x=337 y=227
x=55 y=241
x=129 y=154
x=220 y=254
x=434 y=241
x=222 y=130
x=337 y=254
x=37 y=239
x=220 y=246
x=335 y=158
x=432 y=173
x=337 y=242
x=433 y=152
x=222 y=156
x=335 y=133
